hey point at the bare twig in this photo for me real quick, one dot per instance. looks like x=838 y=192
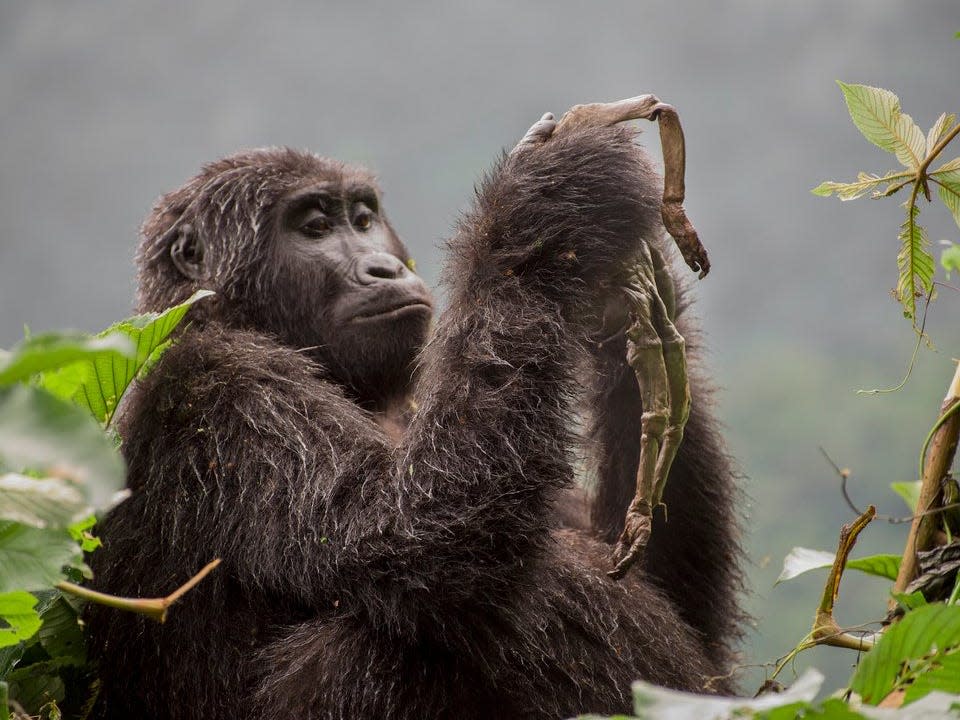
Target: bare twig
x=845 y=474
x=825 y=628
x=153 y=608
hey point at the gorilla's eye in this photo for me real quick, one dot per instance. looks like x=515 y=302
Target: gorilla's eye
x=363 y=221
x=316 y=227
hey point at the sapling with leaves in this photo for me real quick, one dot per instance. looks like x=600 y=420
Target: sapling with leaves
x=876 y=113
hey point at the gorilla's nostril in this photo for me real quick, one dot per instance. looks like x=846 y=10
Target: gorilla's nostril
x=379 y=271
x=381 y=266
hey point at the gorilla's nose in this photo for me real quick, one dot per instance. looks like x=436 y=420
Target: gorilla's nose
x=376 y=266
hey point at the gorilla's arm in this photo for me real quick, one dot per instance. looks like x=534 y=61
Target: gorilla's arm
x=301 y=492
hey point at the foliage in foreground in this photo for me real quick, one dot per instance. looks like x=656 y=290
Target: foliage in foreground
x=59 y=465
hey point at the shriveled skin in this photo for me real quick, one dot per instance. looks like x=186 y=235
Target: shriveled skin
x=655 y=350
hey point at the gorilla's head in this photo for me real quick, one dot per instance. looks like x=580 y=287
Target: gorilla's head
x=296 y=246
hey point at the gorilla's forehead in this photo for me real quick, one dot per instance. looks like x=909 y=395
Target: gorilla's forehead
x=288 y=167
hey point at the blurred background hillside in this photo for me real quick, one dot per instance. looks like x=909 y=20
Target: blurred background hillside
x=105 y=105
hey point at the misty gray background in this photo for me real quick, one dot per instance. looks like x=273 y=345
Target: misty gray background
x=104 y=105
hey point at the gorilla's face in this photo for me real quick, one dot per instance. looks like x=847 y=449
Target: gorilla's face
x=297 y=247
x=345 y=288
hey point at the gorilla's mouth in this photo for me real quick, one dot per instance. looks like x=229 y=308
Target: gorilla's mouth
x=394 y=311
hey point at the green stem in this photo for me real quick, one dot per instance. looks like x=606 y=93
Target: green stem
x=153 y=608
x=937 y=149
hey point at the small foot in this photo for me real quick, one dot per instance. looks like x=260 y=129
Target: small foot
x=633 y=541
x=538 y=133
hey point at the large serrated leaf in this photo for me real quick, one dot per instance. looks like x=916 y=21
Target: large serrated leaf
x=941 y=127
x=17 y=609
x=876 y=113
x=98 y=383
x=41 y=502
x=864 y=184
x=927 y=632
x=915 y=263
x=947 y=178
x=31 y=558
x=41 y=433
x=50 y=351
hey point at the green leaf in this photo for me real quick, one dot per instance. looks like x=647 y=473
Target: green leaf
x=950 y=259
x=32 y=559
x=80 y=531
x=98 y=383
x=801 y=560
x=864 y=184
x=885 y=566
x=37 y=684
x=941 y=127
x=652 y=702
x=61 y=634
x=915 y=263
x=910 y=601
x=17 y=610
x=927 y=632
x=55 y=350
x=46 y=502
x=943 y=675
x=947 y=178
x=909 y=491
x=876 y=113
x=38 y=432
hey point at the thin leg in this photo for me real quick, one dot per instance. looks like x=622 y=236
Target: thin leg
x=675 y=361
x=645 y=355
x=538 y=133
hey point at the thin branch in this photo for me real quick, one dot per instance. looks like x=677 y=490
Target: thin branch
x=153 y=608
x=892 y=519
x=946 y=285
x=913 y=358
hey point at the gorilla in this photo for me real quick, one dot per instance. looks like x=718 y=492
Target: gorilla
x=394 y=500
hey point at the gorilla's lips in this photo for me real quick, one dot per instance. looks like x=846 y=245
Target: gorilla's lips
x=395 y=310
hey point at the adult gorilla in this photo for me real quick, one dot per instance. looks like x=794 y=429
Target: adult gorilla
x=396 y=515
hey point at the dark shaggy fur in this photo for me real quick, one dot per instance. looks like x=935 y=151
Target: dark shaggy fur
x=430 y=578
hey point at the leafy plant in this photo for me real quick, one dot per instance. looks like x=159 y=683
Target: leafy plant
x=876 y=113
x=59 y=392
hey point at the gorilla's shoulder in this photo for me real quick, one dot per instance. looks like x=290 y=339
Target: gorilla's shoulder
x=219 y=371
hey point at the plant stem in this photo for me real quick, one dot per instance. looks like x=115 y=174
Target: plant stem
x=153 y=608
x=937 y=149
x=825 y=628
x=942 y=442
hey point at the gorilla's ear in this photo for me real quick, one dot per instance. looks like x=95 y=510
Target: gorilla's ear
x=187 y=250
